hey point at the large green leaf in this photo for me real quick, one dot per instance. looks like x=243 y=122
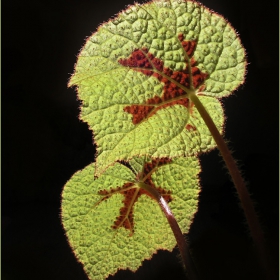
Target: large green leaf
x=111 y=223
x=135 y=73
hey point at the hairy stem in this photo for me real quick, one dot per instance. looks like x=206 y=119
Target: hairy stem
x=181 y=242
x=246 y=202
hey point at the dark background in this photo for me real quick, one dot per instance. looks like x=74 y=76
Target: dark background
x=44 y=143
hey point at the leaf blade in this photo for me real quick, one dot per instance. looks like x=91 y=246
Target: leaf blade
x=157 y=30
x=88 y=224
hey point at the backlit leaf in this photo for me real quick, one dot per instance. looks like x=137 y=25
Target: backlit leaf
x=113 y=224
x=135 y=73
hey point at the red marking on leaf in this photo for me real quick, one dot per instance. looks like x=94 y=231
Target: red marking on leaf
x=190 y=127
x=197 y=77
x=201 y=88
x=131 y=195
x=142 y=61
x=138 y=112
x=189 y=46
x=103 y=192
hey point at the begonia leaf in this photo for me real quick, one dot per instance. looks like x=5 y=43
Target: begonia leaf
x=111 y=223
x=135 y=72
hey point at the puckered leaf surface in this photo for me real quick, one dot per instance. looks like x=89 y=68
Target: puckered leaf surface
x=135 y=73
x=112 y=224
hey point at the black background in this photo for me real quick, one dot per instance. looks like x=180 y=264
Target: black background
x=44 y=143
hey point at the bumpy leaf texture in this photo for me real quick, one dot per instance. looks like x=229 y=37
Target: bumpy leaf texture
x=135 y=73
x=111 y=223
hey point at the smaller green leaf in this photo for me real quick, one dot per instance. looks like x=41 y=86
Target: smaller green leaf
x=111 y=223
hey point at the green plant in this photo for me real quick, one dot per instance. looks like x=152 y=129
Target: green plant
x=149 y=80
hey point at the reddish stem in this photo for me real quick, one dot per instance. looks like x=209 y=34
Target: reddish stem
x=181 y=242
x=246 y=202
